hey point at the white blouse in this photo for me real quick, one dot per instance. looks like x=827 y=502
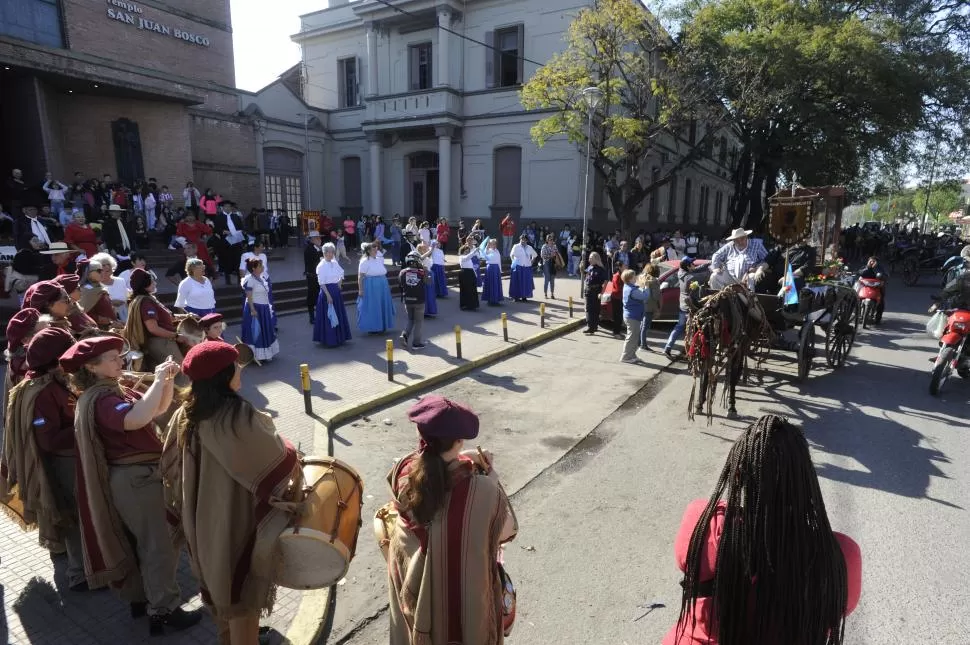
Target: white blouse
x=372 y=267
x=329 y=272
x=522 y=255
x=248 y=255
x=493 y=256
x=194 y=294
x=117 y=290
x=425 y=235
x=258 y=287
x=468 y=261
x=438 y=257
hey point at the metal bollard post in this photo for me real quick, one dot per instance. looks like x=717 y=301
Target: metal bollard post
x=570 y=306
x=505 y=327
x=542 y=314
x=305 y=384
x=390 y=359
x=458 y=341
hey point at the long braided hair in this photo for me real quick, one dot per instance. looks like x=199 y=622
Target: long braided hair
x=780 y=575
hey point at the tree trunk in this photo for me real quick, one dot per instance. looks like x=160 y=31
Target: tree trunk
x=738 y=206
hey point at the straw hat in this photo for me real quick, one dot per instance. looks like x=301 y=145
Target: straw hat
x=738 y=233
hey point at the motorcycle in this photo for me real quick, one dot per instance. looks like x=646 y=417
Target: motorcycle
x=953 y=269
x=870 y=297
x=954 y=350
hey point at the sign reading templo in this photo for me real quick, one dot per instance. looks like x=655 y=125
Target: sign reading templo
x=125 y=12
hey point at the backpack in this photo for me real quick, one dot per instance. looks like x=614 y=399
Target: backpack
x=413 y=290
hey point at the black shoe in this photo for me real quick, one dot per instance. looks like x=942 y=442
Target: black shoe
x=669 y=355
x=138 y=609
x=176 y=620
x=418 y=346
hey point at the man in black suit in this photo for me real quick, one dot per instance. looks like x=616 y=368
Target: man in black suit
x=228 y=225
x=311 y=258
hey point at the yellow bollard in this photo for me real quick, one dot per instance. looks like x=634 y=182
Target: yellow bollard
x=505 y=327
x=305 y=385
x=542 y=314
x=570 y=306
x=390 y=359
x=458 y=341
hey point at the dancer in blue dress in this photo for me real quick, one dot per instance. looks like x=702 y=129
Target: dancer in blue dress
x=492 y=293
x=330 y=276
x=375 y=306
x=258 y=323
x=438 y=270
x=522 y=283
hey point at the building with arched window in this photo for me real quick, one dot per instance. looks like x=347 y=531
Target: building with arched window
x=421 y=121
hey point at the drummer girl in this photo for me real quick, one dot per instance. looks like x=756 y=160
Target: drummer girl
x=150 y=328
x=231 y=519
x=213 y=326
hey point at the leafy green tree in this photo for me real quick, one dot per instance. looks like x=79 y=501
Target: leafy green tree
x=650 y=108
x=820 y=88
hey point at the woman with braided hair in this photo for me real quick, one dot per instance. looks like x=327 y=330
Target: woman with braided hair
x=763 y=566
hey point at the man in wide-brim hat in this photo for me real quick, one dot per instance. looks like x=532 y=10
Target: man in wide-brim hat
x=741 y=260
x=63 y=258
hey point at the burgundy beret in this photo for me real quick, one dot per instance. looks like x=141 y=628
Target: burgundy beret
x=44 y=294
x=139 y=280
x=89 y=349
x=205 y=360
x=47 y=346
x=70 y=281
x=443 y=418
x=20 y=326
x=209 y=320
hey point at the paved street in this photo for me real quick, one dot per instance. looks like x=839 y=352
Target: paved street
x=597 y=527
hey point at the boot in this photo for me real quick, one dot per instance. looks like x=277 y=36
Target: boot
x=176 y=620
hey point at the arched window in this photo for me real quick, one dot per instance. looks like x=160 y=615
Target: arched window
x=507 y=177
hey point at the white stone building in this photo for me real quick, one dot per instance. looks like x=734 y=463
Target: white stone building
x=423 y=119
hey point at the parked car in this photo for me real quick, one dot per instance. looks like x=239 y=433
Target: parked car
x=669 y=290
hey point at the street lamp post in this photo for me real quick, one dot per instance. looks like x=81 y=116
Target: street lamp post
x=591 y=97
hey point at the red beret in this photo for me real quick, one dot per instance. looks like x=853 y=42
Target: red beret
x=443 y=418
x=209 y=320
x=89 y=349
x=139 y=280
x=20 y=326
x=70 y=281
x=43 y=295
x=47 y=346
x=205 y=360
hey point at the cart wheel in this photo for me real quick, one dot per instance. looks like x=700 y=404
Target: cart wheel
x=910 y=271
x=806 y=351
x=840 y=335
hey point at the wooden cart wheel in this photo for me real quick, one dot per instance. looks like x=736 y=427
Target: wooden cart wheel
x=806 y=350
x=840 y=335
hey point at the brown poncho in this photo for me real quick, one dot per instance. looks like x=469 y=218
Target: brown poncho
x=228 y=490
x=26 y=492
x=444 y=582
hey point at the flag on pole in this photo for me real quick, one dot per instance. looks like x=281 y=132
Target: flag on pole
x=791 y=293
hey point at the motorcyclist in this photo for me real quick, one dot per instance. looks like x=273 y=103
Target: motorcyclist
x=957 y=293
x=875 y=271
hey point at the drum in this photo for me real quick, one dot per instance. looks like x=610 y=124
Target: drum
x=317 y=549
x=190 y=329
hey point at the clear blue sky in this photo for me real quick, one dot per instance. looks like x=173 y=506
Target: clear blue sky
x=261 y=38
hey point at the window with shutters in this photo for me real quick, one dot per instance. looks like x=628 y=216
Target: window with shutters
x=347 y=78
x=420 y=69
x=351 y=176
x=507 y=175
x=503 y=62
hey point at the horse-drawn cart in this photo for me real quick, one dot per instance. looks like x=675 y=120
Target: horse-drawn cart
x=734 y=325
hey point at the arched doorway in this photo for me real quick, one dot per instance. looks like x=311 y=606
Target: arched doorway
x=423 y=186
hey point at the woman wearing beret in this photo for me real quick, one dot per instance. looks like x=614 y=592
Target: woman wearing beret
x=453 y=516
x=150 y=328
x=95 y=300
x=80 y=322
x=20 y=329
x=119 y=484
x=230 y=481
x=375 y=306
x=37 y=464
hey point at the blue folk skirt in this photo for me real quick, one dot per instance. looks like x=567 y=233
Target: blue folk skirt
x=375 y=311
x=479 y=274
x=259 y=332
x=199 y=312
x=440 y=280
x=323 y=331
x=492 y=293
x=430 y=300
x=522 y=284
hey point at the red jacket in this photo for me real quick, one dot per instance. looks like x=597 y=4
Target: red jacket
x=508 y=226
x=617 y=283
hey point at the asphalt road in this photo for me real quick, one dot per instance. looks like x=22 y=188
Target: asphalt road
x=595 y=550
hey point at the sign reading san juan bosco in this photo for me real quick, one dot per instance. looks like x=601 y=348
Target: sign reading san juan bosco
x=130 y=14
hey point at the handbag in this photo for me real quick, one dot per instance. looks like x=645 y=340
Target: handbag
x=559 y=263
x=936 y=325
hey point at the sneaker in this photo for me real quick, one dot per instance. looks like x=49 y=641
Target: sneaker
x=669 y=354
x=631 y=361
x=404 y=336
x=418 y=346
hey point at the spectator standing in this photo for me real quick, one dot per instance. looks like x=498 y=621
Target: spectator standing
x=56 y=193
x=648 y=281
x=176 y=272
x=633 y=308
x=507 y=227
x=209 y=203
x=195 y=232
x=191 y=198
x=413 y=279
x=81 y=237
x=551 y=263
x=229 y=226
x=442 y=233
x=350 y=232
x=596 y=277
x=616 y=297
x=165 y=199
x=115 y=233
x=312 y=256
